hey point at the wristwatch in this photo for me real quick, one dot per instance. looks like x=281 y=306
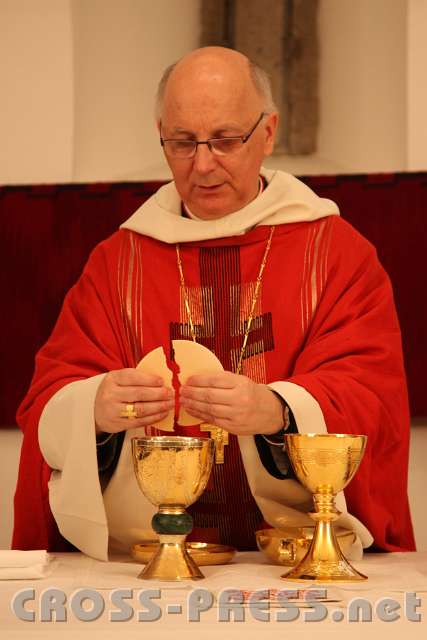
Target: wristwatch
x=276 y=439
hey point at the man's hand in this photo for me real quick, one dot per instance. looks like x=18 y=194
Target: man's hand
x=233 y=402
x=151 y=398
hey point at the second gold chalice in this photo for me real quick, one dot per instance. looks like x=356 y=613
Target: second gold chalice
x=324 y=464
x=172 y=472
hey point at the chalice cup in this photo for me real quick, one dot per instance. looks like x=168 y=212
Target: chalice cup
x=324 y=464
x=172 y=472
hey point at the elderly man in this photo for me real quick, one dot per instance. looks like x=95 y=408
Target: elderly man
x=255 y=266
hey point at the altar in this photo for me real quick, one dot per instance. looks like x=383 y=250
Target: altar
x=105 y=600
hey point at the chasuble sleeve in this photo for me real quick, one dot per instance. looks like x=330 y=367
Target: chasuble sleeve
x=87 y=341
x=350 y=374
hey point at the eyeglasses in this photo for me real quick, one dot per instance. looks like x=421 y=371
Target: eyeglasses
x=219 y=146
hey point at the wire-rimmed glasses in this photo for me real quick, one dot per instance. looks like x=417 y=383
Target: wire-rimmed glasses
x=184 y=148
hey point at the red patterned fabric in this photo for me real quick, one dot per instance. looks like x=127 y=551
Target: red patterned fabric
x=221 y=515
x=390 y=211
x=47 y=233
x=334 y=331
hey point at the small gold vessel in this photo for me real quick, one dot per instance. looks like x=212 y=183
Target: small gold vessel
x=288 y=546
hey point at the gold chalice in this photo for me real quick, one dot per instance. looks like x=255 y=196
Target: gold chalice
x=324 y=464
x=172 y=472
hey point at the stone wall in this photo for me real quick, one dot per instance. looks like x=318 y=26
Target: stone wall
x=281 y=37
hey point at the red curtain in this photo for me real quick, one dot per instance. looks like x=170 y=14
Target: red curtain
x=47 y=233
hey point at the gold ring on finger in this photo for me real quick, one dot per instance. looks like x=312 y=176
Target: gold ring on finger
x=129 y=412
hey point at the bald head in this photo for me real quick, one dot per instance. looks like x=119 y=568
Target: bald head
x=225 y=69
x=214 y=55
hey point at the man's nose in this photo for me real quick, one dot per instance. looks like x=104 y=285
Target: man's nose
x=204 y=160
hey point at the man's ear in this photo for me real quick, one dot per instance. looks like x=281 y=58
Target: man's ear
x=270 y=132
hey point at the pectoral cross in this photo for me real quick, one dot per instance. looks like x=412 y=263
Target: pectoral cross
x=221 y=439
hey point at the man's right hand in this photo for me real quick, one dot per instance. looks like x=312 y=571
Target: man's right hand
x=152 y=400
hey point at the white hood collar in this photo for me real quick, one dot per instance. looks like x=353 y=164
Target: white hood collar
x=285 y=200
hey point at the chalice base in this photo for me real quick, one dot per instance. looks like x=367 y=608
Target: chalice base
x=324 y=560
x=171 y=562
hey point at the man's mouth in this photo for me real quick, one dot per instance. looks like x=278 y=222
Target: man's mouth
x=210 y=187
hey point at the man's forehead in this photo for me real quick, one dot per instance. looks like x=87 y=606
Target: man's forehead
x=208 y=116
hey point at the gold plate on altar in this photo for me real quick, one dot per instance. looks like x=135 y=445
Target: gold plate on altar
x=203 y=553
x=288 y=546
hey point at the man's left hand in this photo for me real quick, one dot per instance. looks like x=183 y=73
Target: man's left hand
x=233 y=402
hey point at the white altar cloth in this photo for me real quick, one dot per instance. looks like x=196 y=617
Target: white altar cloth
x=390 y=576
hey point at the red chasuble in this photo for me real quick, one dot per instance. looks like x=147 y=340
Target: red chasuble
x=325 y=320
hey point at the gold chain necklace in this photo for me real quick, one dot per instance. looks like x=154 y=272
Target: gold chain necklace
x=220 y=435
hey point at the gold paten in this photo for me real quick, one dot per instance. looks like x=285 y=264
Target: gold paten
x=325 y=464
x=203 y=553
x=172 y=472
x=220 y=435
x=288 y=546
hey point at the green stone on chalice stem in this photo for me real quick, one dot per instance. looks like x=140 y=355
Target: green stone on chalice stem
x=172 y=523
